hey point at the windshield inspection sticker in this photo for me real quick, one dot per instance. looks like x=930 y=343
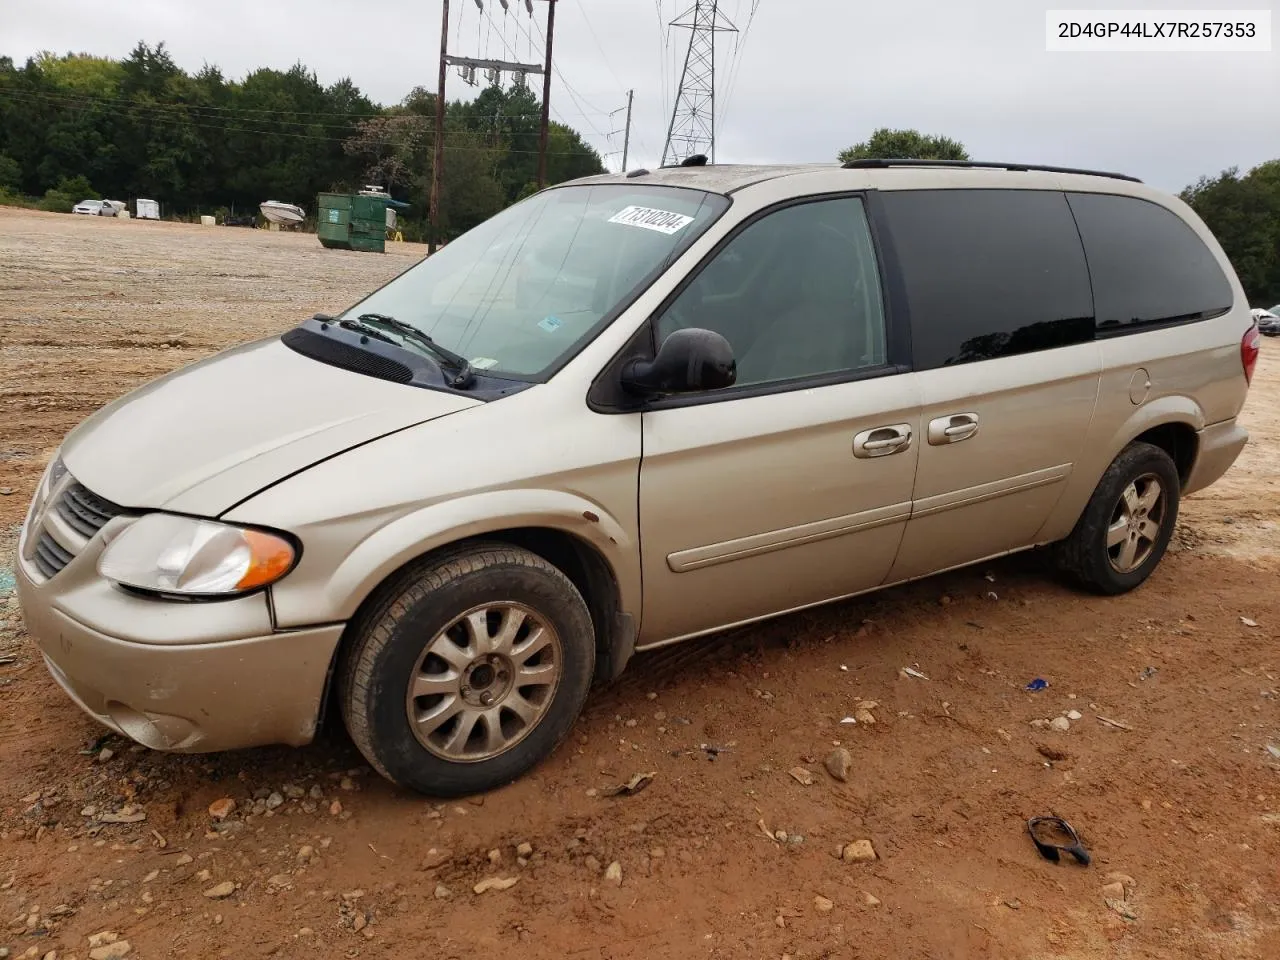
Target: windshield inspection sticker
x=663 y=221
x=550 y=324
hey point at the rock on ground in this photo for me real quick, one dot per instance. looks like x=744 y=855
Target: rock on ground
x=860 y=851
x=838 y=763
x=495 y=883
x=221 y=809
x=112 y=951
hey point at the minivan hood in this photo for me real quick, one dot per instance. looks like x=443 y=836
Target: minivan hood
x=203 y=438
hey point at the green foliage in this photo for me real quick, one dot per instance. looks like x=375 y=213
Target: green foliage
x=81 y=73
x=143 y=127
x=68 y=192
x=8 y=198
x=1244 y=214
x=887 y=144
x=78 y=187
x=10 y=172
x=55 y=201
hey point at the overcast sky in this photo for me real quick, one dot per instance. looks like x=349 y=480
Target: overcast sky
x=812 y=76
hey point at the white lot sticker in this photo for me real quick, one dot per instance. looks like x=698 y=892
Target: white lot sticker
x=663 y=221
x=484 y=363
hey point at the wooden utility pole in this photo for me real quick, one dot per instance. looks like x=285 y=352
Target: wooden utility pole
x=437 y=167
x=544 y=133
x=626 y=138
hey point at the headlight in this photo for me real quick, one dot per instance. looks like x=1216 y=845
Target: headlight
x=57 y=470
x=198 y=558
x=53 y=474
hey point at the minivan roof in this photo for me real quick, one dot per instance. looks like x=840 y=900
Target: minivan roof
x=727 y=178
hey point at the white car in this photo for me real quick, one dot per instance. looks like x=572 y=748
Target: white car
x=1268 y=321
x=99 y=208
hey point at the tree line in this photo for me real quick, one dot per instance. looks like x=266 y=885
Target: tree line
x=1243 y=211
x=76 y=126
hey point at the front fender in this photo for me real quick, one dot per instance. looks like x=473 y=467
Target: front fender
x=411 y=535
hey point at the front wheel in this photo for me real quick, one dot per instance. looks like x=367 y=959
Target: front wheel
x=468 y=670
x=1127 y=525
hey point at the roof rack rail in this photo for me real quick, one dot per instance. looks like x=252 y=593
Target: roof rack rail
x=1021 y=167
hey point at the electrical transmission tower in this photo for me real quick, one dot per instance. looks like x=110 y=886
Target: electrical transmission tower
x=693 y=116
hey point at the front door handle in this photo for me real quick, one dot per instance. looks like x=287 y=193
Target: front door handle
x=952 y=429
x=882 y=441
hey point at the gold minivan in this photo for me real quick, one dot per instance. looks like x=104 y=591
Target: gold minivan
x=631 y=410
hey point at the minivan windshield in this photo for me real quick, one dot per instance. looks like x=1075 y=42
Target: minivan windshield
x=521 y=293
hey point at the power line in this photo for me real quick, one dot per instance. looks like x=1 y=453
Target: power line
x=574 y=95
x=555 y=67
x=599 y=46
x=735 y=65
x=662 y=55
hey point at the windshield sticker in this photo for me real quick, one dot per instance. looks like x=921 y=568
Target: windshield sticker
x=550 y=324
x=663 y=221
x=484 y=363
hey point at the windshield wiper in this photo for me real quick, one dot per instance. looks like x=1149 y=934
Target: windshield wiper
x=464 y=375
x=356 y=327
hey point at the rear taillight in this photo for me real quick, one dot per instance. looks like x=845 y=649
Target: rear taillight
x=1249 y=346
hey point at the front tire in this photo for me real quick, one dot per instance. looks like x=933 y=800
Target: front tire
x=1126 y=527
x=467 y=670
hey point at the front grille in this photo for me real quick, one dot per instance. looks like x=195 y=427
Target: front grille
x=50 y=557
x=84 y=512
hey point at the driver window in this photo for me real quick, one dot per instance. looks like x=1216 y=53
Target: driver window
x=796 y=294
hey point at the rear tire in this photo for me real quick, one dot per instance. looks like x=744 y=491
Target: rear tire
x=467 y=670
x=1127 y=524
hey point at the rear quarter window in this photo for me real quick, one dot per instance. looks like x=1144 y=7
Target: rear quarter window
x=1146 y=263
x=989 y=273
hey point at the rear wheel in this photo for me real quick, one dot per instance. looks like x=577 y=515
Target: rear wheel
x=467 y=670
x=1126 y=527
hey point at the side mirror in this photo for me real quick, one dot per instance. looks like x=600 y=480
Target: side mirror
x=688 y=360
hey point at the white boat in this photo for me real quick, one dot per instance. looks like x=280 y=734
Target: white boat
x=278 y=212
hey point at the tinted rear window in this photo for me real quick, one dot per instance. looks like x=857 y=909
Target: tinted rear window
x=989 y=273
x=1148 y=266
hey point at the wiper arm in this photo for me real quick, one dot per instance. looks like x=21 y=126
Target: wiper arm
x=356 y=327
x=464 y=376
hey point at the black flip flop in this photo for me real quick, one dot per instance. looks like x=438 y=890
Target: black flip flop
x=1049 y=849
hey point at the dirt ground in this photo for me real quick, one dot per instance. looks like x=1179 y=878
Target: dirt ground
x=330 y=861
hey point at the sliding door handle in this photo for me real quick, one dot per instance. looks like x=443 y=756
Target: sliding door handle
x=882 y=441
x=952 y=429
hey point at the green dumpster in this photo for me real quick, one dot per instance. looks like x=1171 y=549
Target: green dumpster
x=352 y=222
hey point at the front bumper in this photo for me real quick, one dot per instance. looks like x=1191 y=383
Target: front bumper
x=224 y=693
